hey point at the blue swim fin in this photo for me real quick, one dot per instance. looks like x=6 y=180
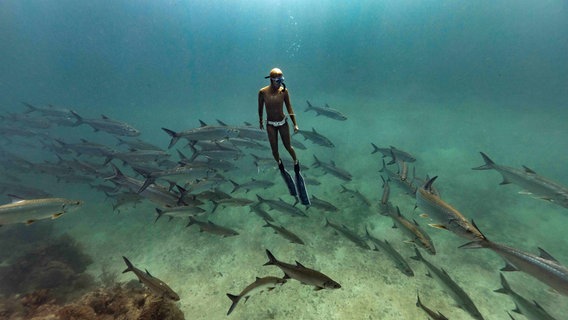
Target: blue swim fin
x=301 y=185
x=288 y=179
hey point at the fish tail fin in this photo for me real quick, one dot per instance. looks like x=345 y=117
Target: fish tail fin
x=506 y=289
x=160 y=214
x=260 y=199
x=375 y=148
x=235 y=186
x=384 y=168
x=489 y=164
x=308 y=107
x=418 y=302
x=215 y=205
x=235 y=299
x=146 y=183
x=174 y=135
x=129 y=265
x=418 y=255
x=271 y=259
x=191 y=221
x=78 y=118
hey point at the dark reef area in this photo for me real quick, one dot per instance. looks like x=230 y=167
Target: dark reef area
x=49 y=282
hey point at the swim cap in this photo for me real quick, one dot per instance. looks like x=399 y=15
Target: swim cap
x=274 y=73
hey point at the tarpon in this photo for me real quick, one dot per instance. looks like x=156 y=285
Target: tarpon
x=156 y=286
x=543 y=267
x=459 y=295
x=356 y=194
x=540 y=187
x=332 y=169
x=530 y=309
x=257 y=209
x=48 y=111
x=436 y=315
x=316 y=138
x=212 y=228
x=304 y=275
x=154 y=192
x=283 y=207
x=394 y=153
x=349 y=234
x=247 y=131
x=108 y=125
x=179 y=212
x=204 y=132
x=445 y=216
x=322 y=204
x=326 y=111
x=399 y=261
x=405 y=184
x=29 y=211
x=290 y=236
x=252 y=184
x=413 y=230
x=259 y=285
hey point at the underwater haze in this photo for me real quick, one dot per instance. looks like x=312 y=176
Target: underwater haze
x=440 y=80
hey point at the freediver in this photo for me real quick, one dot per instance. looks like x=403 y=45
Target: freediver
x=274 y=97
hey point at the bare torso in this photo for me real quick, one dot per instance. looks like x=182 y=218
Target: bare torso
x=273 y=100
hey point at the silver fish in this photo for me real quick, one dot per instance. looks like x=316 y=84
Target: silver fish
x=108 y=125
x=400 y=263
x=326 y=111
x=436 y=315
x=212 y=228
x=394 y=153
x=322 y=204
x=530 y=309
x=316 y=138
x=413 y=230
x=283 y=207
x=259 y=285
x=531 y=182
x=349 y=234
x=459 y=295
x=543 y=267
x=332 y=169
x=290 y=236
x=156 y=286
x=253 y=184
x=304 y=275
x=204 y=132
x=29 y=211
x=446 y=216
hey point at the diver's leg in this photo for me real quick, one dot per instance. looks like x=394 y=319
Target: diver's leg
x=286 y=140
x=273 y=139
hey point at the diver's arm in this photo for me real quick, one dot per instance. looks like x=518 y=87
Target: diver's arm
x=260 y=109
x=290 y=110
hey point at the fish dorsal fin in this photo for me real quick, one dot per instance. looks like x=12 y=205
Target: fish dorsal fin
x=528 y=170
x=299 y=265
x=202 y=124
x=148 y=273
x=509 y=267
x=538 y=306
x=327 y=105
x=257 y=278
x=332 y=163
x=415 y=223
x=104 y=117
x=15 y=198
x=545 y=255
